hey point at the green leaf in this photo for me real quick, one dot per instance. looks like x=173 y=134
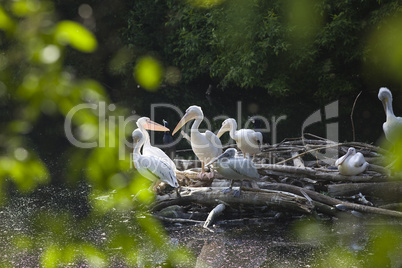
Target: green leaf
x=72 y=33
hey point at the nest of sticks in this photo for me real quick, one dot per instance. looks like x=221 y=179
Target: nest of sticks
x=298 y=177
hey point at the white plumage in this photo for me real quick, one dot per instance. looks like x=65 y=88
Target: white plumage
x=205 y=146
x=149 y=166
x=393 y=125
x=145 y=123
x=351 y=163
x=247 y=140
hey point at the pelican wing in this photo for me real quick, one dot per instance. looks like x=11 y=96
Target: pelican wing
x=257 y=136
x=153 y=168
x=214 y=140
x=357 y=160
x=243 y=167
x=153 y=151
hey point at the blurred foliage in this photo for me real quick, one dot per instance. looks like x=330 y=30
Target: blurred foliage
x=36 y=88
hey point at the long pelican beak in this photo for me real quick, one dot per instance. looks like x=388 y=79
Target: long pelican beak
x=151 y=125
x=182 y=122
x=344 y=158
x=217 y=158
x=221 y=131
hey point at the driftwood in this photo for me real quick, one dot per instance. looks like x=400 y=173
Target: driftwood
x=213 y=214
x=386 y=190
x=329 y=175
x=294 y=180
x=213 y=196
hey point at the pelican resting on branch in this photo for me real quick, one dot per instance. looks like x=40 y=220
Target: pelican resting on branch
x=206 y=146
x=351 y=163
x=235 y=168
x=247 y=140
x=150 y=166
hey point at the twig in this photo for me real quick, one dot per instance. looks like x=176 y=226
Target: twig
x=309 y=151
x=351 y=116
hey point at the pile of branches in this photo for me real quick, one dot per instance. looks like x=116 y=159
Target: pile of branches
x=298 y=177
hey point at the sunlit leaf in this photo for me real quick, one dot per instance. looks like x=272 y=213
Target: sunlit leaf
x=148 y=72
x=205 y=3
x=25 y=7
x=5 y=21
x=74 y=34
x=385 y=49
x=50 y=256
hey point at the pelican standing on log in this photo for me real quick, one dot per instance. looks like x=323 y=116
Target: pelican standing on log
x=351 y=163
x=206 y=146
x=149 y=166
x=235 y=168
x=393 y=125
x=248 y=141
x=145 y=123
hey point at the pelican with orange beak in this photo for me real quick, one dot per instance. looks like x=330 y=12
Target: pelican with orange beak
x=206 y=146
x=144 y=124
x=150 y=166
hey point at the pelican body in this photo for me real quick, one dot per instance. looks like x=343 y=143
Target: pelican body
x=150 y=166
x=393 y=125
x=206 y=146
x=235 y=168
x=351 y=163
x=247 y=140
x=145 y=123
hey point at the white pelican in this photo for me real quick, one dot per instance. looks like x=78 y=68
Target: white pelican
x=248 y=141
x=351 y=163
x=145 y=123
x=393 y=125
x=235 y=168
x=149 y=166
x=206 y=146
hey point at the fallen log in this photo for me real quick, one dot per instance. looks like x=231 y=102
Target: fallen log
x=213 y=214
x=212 y=196
x=332 y=201
x=316 y=174
x=384 y=190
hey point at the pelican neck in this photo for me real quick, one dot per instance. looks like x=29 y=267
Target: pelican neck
x=390 y=111
x=147 y=140
x=196 y=123
x=137 y=147
x=233 y=128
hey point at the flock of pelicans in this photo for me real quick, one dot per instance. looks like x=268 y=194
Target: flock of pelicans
x=155 y=165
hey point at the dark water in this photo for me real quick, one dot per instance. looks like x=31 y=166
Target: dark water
x=287 y=241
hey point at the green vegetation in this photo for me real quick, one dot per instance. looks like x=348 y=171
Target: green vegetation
x=321 y=48
x=49 y=67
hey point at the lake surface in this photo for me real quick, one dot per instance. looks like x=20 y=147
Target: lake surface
x=270 y=241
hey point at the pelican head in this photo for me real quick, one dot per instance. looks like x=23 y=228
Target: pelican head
x=226 y=126
x=147 y=123
x=137 y=136
x=192 y=112
x=351 y=151
x=385 y=96
x=229 y=153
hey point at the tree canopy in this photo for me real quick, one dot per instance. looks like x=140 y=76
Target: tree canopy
x=290 y=47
